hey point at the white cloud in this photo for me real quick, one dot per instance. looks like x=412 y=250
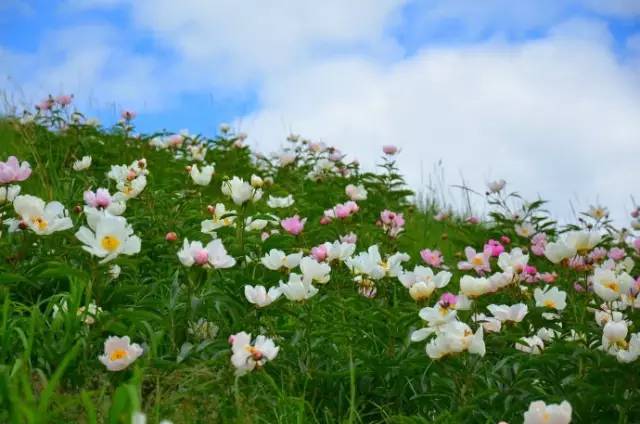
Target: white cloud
x=555 y=116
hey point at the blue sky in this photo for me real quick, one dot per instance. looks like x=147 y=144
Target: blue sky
x=486 y=86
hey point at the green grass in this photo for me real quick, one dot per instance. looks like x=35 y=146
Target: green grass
x=343 y=357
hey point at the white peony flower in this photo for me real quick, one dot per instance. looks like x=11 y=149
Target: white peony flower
x=277 y=259
x=259 y=295
x=108 y=236
x=313 y=270
x=240 y=191
x=82 y=164
x=514 y=313
x=541 y=413
x=550 y=297
x=247 y=355
x=40 y=217
x=298 y=289
x=201 y=177
x=280 y=202
x=119 y=353
x=213 y=255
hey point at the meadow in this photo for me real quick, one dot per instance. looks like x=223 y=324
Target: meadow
x=151 y=277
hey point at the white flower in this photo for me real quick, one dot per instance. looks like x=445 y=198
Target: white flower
x=214 y=254
x=43 y=219
x=474 y=286
x=259 y=295
x=514 y=313
x=220 y=217
x=130 y=189
x=614 y=334
x=541 y=413
x=456 y=337
x=255 y=224
x=632 y=352
x=82 y=164
x=298 y=289
x=339 y=251
x=119 y=353
x=437 y=315
x=500 y=280
x=286 y=159
x=513 y=262
x=114 y=271
x=558 y=251
x=277 y=259
x=371 y=263
x=424 y=274
x=247 y=355
x=526 y=229
x=201 y=177
x=550 y=297
x=533 y=345
x=9 y=194
x=583 y=241
x=496 y=186
x=356 y=193
x=609 y=285
x=108 y=236
x=313 y=270
x=547 y=334
x=280 y=202
x=256 y=181
x=240 y=191
x=490 y=324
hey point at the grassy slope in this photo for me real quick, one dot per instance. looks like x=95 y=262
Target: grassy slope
x=343 y=357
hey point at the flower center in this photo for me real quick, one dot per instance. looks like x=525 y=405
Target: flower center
x=255 y=353
x=118 y=354
x=110 y=243
x=612 y=285
x=477 y=261
x=549 y=303
x=40 y=222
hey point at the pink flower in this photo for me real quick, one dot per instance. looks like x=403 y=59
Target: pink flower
x=319 y=253
x=352 y=206
x=172 y=236
x=494 y=248
x=529 y=269
x=635 y=213
x=538 y=244
x=342 y=211
x=128 y=115
x=505 y=240
x=12 y=171
x=473 y=220
x=392 y=222
x=325 y=220
x=201 y=257
x=598 y=254
x=476 y=261
x=64 y=100
x=636 y=244
x=349 y=238
x=293 y=225
x=577 y=263
x=549 y=277
x=389 y=150
x=100 y=199
x=617 y=254
x=432 y=257
x=448 y=300
x=578 y=287
x=45 y=104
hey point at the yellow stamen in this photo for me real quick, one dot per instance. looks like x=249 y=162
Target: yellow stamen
x=477 y=261
x=110 y=243
x=40 y=222
x=612 y=285
x=118 y=354
x=549 y=303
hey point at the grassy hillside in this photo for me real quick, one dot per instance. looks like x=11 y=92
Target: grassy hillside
x=345 y=354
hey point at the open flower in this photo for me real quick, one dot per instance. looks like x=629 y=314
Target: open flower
x=201 y=176
x=474 y=287
x=293 y=225
x=213 y=255
x=108 y=236
x=40 y=217
x=297 y=288
x=280 y=202
x=456 y=337
x=277 y=259
x=82 y=164
x=356 y=192
x=9 y=193
x=550 y=297
x=541 y=413
x=496 y=186
x=610 y=285
x=477 y=261
x=432 y=257
x=247 y=355
x=313 y=270
x=240 y=191
x=13 y=171
x=102 y=199
x=513 y=313
x=220 y=217
x=259 y=295
x=533 y=345
x=119 y=353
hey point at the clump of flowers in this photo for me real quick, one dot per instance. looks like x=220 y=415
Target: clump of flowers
x=392 y=223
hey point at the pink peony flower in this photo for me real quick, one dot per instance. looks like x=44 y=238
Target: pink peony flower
x=448 y=300
x=473 y=220
x=494 y=248
x=45 y=104
x=201 y=257
x=636 y=244
x=549 y=277
x=128 y=115
x=64 y=100
x=293 y=225
x=12 y=171
x=349 y=238
x=389 y=150
x=432 y=257
x=476 y=261
x=617 y=254
x=100 y=199
x=319 y=253
x=505 y=240
x=598 y=254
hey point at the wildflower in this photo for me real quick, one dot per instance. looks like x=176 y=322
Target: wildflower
x=119 y=353
x=609 y=285
x=392 y=222
x=40 y=217
x=277 y=259
x=259 y=295
x=538 y=244
x=256 y=181
x=128 y=115
x=9 y=193
x=598 y=212
x=514 y=261
x=489 y=324
x=476 y=261
x=353 y=239
x=494 y=248
x=432 y=257
x=240 y=191
x=280 y=202
x=220 y=217
x=533 y=345
x=526 y=229
x=338 y=250
x=201 y=177
x=422 y=274
x=389 y=150
x=474 y=287
x=496 y=186
x=171 y=236
x=313 y=270
x=297 y=288
x=214 y=254
x=319 y=253
x=550 y=297
x=247 y=355
x=356 y=193
x=456 y=337
x=293 y=225
x=371 y=263
x=616 y=254
x=82 y=164
x=504 y=313
x=13 y=171
x=108 y=236
x=541 y=413
x=114 y=271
